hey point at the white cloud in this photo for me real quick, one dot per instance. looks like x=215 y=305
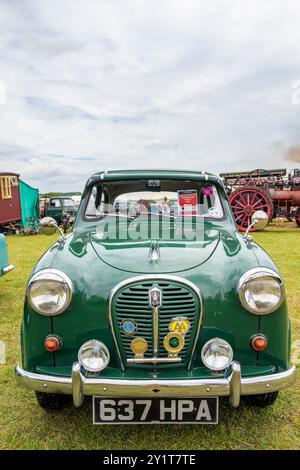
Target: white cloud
x=113 y=84
x=2 y=92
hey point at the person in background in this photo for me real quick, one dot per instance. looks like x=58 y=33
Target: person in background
x=280 y=216
x=165 y=206
x=293 y=212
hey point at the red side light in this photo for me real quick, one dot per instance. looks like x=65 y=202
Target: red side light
x=259 y=342
x=52 y=343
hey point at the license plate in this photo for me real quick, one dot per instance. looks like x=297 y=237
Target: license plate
x=155 y=410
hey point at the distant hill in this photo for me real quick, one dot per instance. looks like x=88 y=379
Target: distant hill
x=53 y=194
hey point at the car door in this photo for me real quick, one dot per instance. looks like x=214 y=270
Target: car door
x=54 y=209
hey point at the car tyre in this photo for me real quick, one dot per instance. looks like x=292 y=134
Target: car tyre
x=261 y=401
x=51 y=401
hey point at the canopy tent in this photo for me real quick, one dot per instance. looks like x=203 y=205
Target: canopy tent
x=29 y=202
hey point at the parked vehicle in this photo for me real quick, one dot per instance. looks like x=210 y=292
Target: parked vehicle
x=272 y=191
x=155 y=314
x=5 y=267
x=62 y=209
x=10 y=203
x=18 y=203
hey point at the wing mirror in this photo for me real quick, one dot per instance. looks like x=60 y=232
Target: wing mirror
x=259 y=220
x=48 y=226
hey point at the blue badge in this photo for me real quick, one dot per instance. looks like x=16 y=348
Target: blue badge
x=128 y=327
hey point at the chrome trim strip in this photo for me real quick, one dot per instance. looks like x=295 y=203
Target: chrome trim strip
x=8 y=268
x=153 y=360
x=155 y=330
x=230 y=385
x=253 y=274
x=155 y=277
x=155 y=320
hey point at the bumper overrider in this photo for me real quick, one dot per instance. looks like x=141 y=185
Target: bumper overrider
x=231 y=384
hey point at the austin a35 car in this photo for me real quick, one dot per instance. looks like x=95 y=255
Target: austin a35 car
x=155 y=305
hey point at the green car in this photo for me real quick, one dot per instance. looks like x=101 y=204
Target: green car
x=5 y=267
x=60 y=208
x=155 y=312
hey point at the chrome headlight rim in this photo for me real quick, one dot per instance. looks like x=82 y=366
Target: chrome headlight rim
x=51 y=274
x=257 y=273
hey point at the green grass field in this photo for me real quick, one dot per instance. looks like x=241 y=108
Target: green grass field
x=23 y=425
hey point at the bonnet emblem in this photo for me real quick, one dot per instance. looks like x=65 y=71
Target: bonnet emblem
x=154 y=252
x=155 y=297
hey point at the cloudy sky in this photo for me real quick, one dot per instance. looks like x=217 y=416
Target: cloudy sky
x=87 y=85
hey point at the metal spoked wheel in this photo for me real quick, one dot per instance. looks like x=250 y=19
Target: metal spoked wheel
x=247 y=200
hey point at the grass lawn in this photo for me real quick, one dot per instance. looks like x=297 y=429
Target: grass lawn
x=23 y=425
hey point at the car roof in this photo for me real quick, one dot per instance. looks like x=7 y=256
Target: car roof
x=153 y=174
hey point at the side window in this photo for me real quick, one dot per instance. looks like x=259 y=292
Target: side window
x=95 y=206
x=55 y=203
x=210 y=201
x=5 y=182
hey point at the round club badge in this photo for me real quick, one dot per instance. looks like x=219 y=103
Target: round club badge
x=173 y=343
x=139 y=346
x=179 y=325
x=128 y=327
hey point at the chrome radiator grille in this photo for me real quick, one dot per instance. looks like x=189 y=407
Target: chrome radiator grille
x=131 y=302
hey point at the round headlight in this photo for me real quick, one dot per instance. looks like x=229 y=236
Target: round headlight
x=217 y=354
x=93 y=356
x=49 y=292
x=261 y=291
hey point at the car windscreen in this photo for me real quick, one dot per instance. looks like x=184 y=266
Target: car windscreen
x=68 y=203
x=166 y=197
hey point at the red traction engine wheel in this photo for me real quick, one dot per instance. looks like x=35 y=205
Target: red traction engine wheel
x=245 y=201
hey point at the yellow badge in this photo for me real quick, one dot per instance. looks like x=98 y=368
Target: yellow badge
x=173 y=343
x=179 y=325
x=139 y=346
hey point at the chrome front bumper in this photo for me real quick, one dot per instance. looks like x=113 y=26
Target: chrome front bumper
x=231 y=385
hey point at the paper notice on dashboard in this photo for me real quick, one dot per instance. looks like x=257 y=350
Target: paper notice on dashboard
x=187 y=202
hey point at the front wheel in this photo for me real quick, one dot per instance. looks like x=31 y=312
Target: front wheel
x=51 y=401
x=261 y=401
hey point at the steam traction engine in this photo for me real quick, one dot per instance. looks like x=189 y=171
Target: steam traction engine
x=276 y=192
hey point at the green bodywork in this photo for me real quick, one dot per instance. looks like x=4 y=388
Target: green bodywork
x=3 y=254
x=214 y=266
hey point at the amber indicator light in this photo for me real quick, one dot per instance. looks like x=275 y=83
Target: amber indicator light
x=259 y=343
x=52 y=343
